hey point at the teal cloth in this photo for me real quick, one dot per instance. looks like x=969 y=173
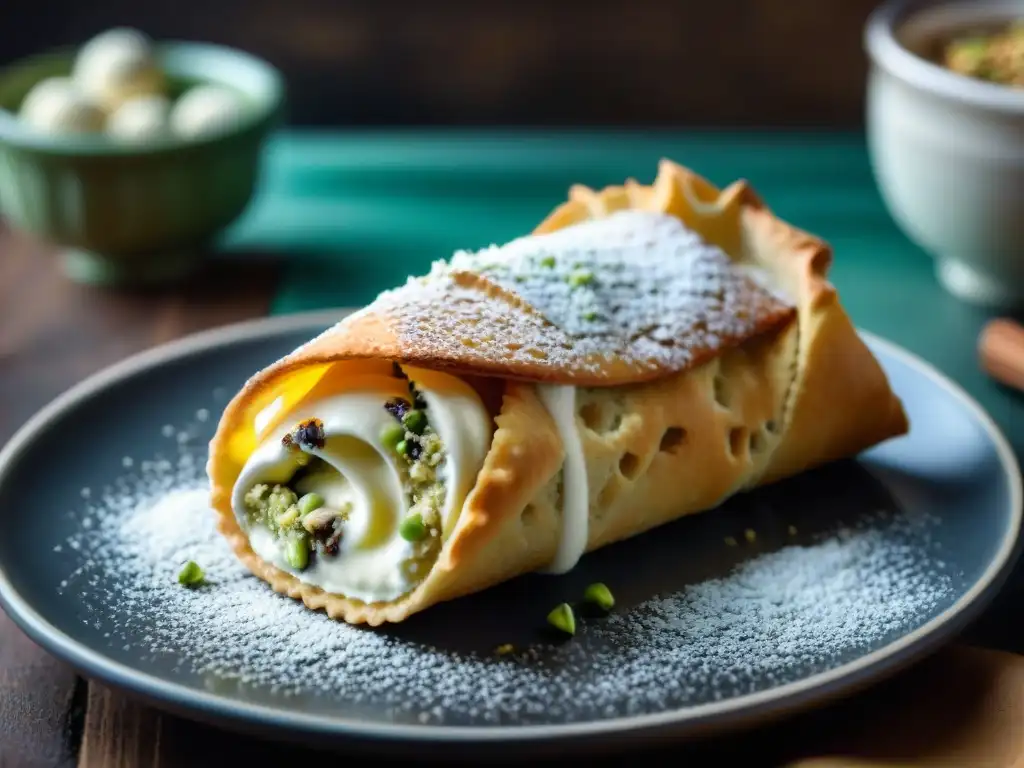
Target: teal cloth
x=354 y=213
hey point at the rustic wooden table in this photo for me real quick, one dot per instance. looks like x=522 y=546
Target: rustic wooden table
x=966 y=704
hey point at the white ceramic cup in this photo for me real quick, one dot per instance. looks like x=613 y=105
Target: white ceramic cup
x=947 y=151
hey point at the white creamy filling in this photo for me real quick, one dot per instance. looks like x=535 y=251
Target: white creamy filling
x=560 y=402
x=369 y=564
x=465 y=430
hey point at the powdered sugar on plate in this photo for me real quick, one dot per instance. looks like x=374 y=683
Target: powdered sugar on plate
x=776 y=618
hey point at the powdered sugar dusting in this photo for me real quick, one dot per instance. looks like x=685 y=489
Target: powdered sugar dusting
x=635 y=278
x=634 y=292
x=775 y=618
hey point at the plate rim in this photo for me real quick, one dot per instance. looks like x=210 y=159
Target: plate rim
x=690 y=721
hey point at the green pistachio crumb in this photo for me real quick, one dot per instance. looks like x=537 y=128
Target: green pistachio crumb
x=599 y=595
x=257 y=495
x=548 y=262
x=191 y=574
x=412 y=528
x=581 y=277
x=309 y=502
x=750 y=535
x=421 y=472
x=392 y=436
x=791 y=530
x=296 y=552
x=590 y=316
x=280 y=499
x=504 y=649
x=415 y=421
x=730 y=541
x=288 y=517
x=563 y=619
x=323 y=518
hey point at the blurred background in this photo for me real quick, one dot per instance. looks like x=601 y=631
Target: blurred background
x=410 y=129
x=505 y=62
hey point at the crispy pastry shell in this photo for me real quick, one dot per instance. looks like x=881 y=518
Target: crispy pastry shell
x=661 y=439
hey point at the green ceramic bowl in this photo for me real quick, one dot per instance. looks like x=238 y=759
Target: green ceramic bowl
x=125 y=214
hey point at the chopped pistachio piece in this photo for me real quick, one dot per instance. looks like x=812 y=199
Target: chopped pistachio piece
x=392 y=436
x=504 y=649
x=288 y=517
x=548 y=262
x=280 y=499
x=257 y=495
x=412 y=528
x=750 y=535
x=563 y=619
x=191 y=574
x=309 y=502
x=581 y=277
x=791 y=530
x=415 y=422
x=319 y=519
x=590 y=316
x=730 y=541
x=296 y=552
x=599 y=595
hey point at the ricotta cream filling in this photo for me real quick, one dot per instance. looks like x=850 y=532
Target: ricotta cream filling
x=373 y=562
x=560 y=402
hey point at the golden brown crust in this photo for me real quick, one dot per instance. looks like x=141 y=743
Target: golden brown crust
x=840 y=402
x=797 y=394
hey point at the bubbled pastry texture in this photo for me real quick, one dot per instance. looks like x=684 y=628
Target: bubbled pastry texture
x=662 y=449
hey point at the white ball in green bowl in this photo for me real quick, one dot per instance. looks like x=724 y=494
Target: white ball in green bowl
x=205 y=110
x=56 y=106
x=118 y=65
x=143 y=118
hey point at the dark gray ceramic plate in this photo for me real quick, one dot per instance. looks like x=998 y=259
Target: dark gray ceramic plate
x=783 y=598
